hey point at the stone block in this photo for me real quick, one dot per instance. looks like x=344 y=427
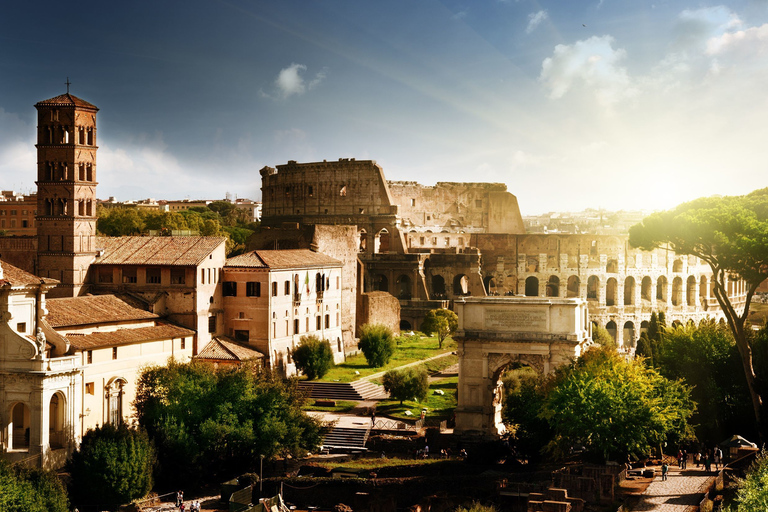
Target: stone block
x=554 y=494
x=556 y=506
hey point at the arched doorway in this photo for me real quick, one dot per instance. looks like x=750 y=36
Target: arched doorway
x=611 y=328
x=21 y=422
x=593 y=284
x=553 y=286
x=438 y=286
x=490 y=285
x=661 y=289
x=405 y=325
x=382 y=241
x=380 y=283
x=532 y=287
x=573 y=286
x=610 y=292
x=646 y=289
x=460 y=285
x=629 y=291
x=404 y=287
x=57 y=410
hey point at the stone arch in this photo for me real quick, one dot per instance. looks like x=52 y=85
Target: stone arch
x=461 y=285
x=593 y=287
x=438 y=286
x=532 y=286
x=553 y=286
x=19 y=429
x=646 y=289
x=573 y=286
x=404 y=287
x=690 y=291
x=611 y=291
x=677 y=265
x=677 y=291
x=676 y=324
x=383 y=240
x=629 y=334
x=612 y=330
x=661 y=288
x=363 y=241
x=629 y=291
x=612 y=267
x=57 y=420
x=644 y=325
x=497 y=365
x=380 y=283
x=490 y=285
x=405 y=325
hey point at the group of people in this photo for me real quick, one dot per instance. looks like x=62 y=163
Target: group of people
x=194 y=506
x=703 y=458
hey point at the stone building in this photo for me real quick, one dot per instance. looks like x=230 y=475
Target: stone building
x=17 y=214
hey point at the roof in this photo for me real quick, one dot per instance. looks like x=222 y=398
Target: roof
x=128 y=336
x=92 y=309
x=67 y=100
x=222 y=349
x=285 y=258
x=156 y=250
x=17 y=277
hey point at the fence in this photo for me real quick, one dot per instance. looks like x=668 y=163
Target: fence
x=390 y=424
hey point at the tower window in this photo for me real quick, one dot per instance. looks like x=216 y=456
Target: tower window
x=153 y=275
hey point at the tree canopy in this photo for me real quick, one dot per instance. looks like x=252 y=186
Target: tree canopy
x=207 y=422
x=31 y=490
x=407 y=384
x=441 y=322
x=730 y=233
x=752 y=493
x=313 y=357
x=377 y=344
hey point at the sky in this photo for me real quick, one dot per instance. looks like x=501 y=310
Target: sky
x=615 y=104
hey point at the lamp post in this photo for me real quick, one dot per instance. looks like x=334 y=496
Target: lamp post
x=261 y=472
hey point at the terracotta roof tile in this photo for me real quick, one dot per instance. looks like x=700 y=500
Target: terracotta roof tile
x=128 y=336
x=67 y=100
x=282 y=259
x=17 y=277
x=156 y=250
x=222 y=349
x=92 y=309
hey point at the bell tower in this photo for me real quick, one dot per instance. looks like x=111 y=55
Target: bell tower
x=66 y=191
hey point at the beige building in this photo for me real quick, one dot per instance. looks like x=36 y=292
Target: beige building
x=273 y=298
x=17 y=214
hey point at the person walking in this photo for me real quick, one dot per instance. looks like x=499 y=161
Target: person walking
x=664 y=471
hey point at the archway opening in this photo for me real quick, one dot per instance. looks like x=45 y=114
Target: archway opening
x=380 y=283
x=629 y=291
x=629 y=334
x=382 y=241
x=405 y=325
x=512 y=382
x=20 y=428
x=404 y=287
x=646 y=288
x=610 y=292
x=593 y=284
x=363 y=241
x=573 y=286
x=612 y=267
x=661 y=289
x=677 y=266
x=461 y=285
x=57 y=410
x=611 y=328
x=677 y=291
x=438 y=287
x=553 y=286
x=532 y=287
x=490 y=285
x=690 y=291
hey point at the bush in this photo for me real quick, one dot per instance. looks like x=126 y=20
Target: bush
x=440 y=322
x=313 y=357
x=31 y=490
x=601 y=336
x=113 y=466
x=377 y=344
x=752 y=494
x=409 y=383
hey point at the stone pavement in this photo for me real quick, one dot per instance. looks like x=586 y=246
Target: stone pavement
x=682 y=490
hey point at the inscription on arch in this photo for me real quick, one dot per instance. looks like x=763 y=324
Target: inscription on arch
x=516 y=319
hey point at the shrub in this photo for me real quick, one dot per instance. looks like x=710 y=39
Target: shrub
x=409 y=383
x=31 y=490
x=313 y=357
x=377 y=344
x=441 y=322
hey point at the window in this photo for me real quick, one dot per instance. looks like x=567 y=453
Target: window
x=114 y=352
x=21 y=327
x=296 y=326
x=241 y=335
x=287 y=288
x=337 y=282
x=89 y=388
x=327 y=321
x=202 y=276
x=274 y=289
x=129 y=275
x=413 y=202
x=90 y=356
x=105 y=275
x=229 y=289
x=183 y=343
x=317 y=322
x=421 y=240
x=25 y=223
x=178 y=276
x=153 y=275
x=212 y=324
x=310 y=191
x=253 y=289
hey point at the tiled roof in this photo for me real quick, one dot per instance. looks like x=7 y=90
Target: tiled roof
x=156 y=250
x=92 y=309
x=67 y=99
x=17 y=277
x=221 y=349
x=279 y=259
x=128 y=336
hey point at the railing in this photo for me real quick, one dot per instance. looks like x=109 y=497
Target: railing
x=392 y=424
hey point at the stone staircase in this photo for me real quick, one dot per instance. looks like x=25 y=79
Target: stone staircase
x=357 y=391
x=346 y=439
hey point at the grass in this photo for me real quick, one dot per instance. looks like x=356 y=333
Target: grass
x=341 y=406
x=438 y=406
x=375 y=463
x=408 y=351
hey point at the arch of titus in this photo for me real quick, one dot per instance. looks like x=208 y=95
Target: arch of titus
x=496 y=332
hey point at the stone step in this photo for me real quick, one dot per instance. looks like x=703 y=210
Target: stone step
x=343 y=437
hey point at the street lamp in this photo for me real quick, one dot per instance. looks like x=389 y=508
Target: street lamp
x=261 y=472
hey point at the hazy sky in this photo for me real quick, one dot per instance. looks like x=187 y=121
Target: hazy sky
x=573 y=104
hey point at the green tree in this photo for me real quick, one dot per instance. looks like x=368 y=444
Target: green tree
x=441 y=322
x=615 y=407
x=644 y=349
x=119 y=221
x=524 y=397
x=752 y=493
x=476 y=507
x=602 y=337
x=730 y=234
x=208 y=422
x=313 y=357
x=407 y=384
x=223 y=208
x=31 y=490
x=377 y=344
x=112 y=466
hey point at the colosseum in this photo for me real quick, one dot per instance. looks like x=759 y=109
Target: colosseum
x=428 y=245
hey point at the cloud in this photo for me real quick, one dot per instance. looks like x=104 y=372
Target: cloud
x=291 y=82
x=593 y=63
x=695 y=27
x=460 y=15
x=753 y=40
x=534 y=20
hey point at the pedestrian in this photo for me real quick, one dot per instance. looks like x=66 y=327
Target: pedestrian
x=680 y=458
x=717 y=455
x=664 y=471
x=707 y=462
x=426 y=451
x=373 y=420
x=698 y=459
x=685 y=458
x=179 y=499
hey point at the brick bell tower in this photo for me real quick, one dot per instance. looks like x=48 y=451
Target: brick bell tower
x=66 y=191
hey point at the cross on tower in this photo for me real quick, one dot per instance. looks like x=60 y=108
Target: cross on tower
x=68 y=83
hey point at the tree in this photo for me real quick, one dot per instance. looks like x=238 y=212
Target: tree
x=730 y=234
x=441 y=322
x=752 y=493
x=615 y=407
x=524 y=398
x=31 y=490
x=601 y=336
x=112 y=466
x=208 y=422
x=644 y=349
x=313 y=357
x=377 y=344
x=407 y=384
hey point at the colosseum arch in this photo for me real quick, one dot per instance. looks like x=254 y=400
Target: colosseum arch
x=460 y=285
x=382 y=241
x=553 y=286
x=629 y=334
x=629 y=291
x=438 y=285
x=612 y=267
x=661 y=289
x=404 y=287
x=677 y=291
x=490 y=285
x=677 y=265
x=646 y=289
x=532 y=287
x=690 y=291
x=610 y=292
x=573 y=287
x=380 y=283
x=593 y=287
x=612 y=330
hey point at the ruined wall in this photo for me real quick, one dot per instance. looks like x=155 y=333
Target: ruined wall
x=378 y=308
x=456 y=207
